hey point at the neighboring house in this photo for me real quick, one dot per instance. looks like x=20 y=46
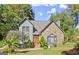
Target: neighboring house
x=36 y=29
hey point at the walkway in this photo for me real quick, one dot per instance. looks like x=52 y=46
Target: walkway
x=28 y=49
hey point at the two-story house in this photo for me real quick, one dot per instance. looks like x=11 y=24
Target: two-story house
x=48 y=29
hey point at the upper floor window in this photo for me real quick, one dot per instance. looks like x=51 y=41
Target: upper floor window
x=25 y=29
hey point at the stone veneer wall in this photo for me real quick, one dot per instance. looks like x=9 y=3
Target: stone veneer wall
x=53 y=29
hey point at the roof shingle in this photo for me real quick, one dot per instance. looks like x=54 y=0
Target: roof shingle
x=39 y=25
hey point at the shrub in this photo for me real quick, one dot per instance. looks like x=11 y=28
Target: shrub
x=43 y=43
x=29 y=43
x=12 y=41
x=2 y=43
x=8 y=50
x=77 y=43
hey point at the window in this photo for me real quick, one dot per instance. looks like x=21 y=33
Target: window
x=51 y=39
x=25 y=29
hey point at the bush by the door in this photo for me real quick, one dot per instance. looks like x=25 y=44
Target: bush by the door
x=43 y=43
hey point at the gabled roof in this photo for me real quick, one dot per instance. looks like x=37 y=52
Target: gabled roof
x=40 y=26
x=55 y=24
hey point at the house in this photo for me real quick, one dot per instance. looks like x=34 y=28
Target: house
x=36 y=29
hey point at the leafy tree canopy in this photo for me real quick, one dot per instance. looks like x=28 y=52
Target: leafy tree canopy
x=11 y=15
x=66 y=21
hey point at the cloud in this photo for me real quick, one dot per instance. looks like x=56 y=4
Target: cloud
x=47 y=5
x=53 y=10
x=48 y=12
x=49 y=16
x=36 y=5
x=63 y=6
x=53 y=5
x=40 y=5
x=40 y=13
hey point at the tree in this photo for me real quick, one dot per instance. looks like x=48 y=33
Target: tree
x=75 y=13
x=12 y=15
x=65 y=19
x=66 y=24
x=75 y=8
x=56 y=17
x=71 y=34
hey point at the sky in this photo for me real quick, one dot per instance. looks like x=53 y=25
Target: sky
x=43 y=11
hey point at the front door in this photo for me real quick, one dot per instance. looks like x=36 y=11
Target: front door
x=36 y=41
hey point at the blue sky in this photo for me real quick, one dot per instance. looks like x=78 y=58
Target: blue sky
x=43 y=11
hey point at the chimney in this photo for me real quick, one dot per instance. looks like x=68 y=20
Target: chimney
x=58 y=22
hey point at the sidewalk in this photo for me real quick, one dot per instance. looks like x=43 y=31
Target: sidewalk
x=28 y=49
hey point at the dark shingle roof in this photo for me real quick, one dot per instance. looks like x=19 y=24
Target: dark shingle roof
x=39 y=25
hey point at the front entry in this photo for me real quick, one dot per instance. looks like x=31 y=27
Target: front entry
x=51 y=40
x=36 y=41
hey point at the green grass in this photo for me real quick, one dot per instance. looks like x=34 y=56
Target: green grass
x=39 y=52
x=71 y=45
x=52 y=51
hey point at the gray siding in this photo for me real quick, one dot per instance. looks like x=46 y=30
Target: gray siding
x=27 y=23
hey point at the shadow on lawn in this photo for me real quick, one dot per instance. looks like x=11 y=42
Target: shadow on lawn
x=21 y=51
x=74 y=51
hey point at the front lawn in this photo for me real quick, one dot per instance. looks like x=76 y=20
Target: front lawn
x=52 y=51
x=39 y=52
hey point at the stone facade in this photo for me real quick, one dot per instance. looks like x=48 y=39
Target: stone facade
x=53 y=29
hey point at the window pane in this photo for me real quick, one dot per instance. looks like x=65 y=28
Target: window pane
x=23 y=29
x=51 y=39
x=27 y=28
